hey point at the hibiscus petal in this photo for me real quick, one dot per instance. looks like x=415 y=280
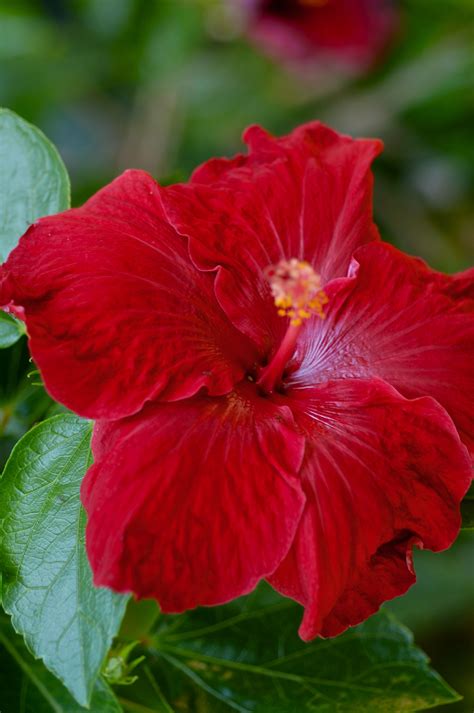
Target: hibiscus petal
x=381 y=473
x=195 y=501
x=400 y=321
x=308 y=196
x=115 y=310
x=353 y=32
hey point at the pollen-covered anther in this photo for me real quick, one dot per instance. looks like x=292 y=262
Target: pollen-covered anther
x=296 y=289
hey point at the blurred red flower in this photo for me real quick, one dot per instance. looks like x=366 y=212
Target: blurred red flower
x=278 y=393
x=352 y=32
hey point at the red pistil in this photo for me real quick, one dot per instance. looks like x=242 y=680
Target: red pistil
x=270 y=376
x=296 y=289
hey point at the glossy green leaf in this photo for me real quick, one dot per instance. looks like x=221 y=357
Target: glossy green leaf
x=27 y=686
x=33 y=179
x=47 y=582
x=11 y=330
x=252 y=661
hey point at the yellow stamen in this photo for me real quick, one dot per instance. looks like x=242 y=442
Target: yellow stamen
x=296 y=289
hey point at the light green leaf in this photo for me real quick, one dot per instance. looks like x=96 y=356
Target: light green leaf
x=47 y=582
x=252 y=661
x=28 y=686
x=11 y=330
x=33 y=179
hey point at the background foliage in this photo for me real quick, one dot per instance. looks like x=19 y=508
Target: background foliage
x=163 y=85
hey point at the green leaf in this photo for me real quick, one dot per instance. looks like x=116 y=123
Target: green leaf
x=11 y=330
x=467 y=510
x=28 y=686
x=252 y=661
x=47 y=582
x=33 y=179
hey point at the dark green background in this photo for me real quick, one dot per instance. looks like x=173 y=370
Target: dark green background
x=164 y=85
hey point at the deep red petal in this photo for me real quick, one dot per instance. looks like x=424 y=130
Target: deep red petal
x=381 y=473
x=193 y=502
x=115 y=310
x=398 y=320
x=308 y=195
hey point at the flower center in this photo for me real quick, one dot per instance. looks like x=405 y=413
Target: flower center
x=296 y=289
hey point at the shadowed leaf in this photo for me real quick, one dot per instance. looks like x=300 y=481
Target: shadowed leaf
x=251 y=660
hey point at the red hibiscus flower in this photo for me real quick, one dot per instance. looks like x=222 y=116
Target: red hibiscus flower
x=278 y=393
x=353 y=32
